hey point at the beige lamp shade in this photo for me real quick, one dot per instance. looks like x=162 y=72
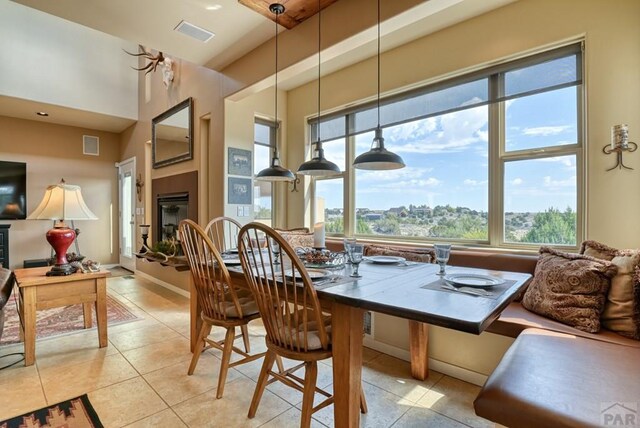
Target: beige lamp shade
x=62 y=202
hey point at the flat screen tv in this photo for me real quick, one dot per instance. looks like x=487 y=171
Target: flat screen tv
x=13 y=190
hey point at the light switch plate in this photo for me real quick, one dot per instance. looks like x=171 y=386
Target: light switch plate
x=240 y=211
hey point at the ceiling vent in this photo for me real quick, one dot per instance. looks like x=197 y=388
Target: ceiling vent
x=90 y=145
x=194 y=31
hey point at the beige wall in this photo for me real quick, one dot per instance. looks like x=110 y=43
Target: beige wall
x=612 y=59
x=203 y=85
x=239 y=133
x=53 y=152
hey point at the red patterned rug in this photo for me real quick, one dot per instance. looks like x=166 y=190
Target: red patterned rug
x=52 y=322
x=77 y=412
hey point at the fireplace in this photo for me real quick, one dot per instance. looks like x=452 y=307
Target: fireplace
x=171 y=209
x=175 y=198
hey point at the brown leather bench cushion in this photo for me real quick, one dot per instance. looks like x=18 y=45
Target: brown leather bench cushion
x=515 y=319
x=552 y=379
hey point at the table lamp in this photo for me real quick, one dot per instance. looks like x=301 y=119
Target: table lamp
x=62 y=202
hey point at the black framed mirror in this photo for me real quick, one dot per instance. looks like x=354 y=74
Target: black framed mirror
x=172 y=135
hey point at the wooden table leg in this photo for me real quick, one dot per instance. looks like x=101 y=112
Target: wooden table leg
x=346 y=332
x=101 y=310
x=29 y=317
x=194 y=313
x=419 y=348
x=86 y=313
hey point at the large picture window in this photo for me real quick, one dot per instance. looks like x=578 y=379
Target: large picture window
x=492 y=158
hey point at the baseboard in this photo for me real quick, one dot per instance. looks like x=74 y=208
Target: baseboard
x=164 y=284
x=437 y=365
x=110 y=266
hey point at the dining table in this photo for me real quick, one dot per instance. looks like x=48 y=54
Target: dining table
x=413 y=291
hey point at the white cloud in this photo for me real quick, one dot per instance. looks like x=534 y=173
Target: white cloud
x=516 y=181
x=453 y=132
x=406 y=173
x=547 y=181
x=545 y=131
x=471 y=182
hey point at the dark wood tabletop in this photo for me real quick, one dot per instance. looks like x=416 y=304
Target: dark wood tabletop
x=396 y=290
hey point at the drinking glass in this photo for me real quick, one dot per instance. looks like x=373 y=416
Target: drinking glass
x=275 y=248
x=442 y=256
x=348 y=242
x=356 y=251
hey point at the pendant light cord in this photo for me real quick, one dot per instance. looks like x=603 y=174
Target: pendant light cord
x=378 y=63
x=277 y=126
x=318 y=143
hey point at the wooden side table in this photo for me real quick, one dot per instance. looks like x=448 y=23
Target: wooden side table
x=38 y=291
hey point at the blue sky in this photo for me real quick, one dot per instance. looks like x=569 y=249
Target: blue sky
x=447 y=159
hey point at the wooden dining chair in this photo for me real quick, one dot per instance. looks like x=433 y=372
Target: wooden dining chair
x=223 y=304
x=295 y=324
x=223 y=232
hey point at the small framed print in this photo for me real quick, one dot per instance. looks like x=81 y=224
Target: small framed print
x=239 y=162
x=240 y=191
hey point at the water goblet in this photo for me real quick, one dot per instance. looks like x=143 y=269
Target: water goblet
x=356 y=251
x=348 y=242
x=275 y=248
x=442 y=256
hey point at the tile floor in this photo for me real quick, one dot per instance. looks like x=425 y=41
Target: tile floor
x=140 y=379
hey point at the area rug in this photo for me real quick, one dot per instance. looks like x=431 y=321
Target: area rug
x=74 y=413
x=56 y=321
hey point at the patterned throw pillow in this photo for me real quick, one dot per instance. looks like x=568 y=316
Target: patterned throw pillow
x=425 y=255
x=622 y=308
x=297 y=238
x=570 y=288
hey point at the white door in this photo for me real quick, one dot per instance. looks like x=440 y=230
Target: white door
x=127 y=218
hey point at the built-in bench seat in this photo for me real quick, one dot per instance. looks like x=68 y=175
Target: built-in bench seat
x=550 y=379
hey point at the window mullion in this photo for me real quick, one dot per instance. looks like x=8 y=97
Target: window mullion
x=349 y=184
x=496 y=167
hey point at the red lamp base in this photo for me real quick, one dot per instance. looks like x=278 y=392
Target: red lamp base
x=61 y=238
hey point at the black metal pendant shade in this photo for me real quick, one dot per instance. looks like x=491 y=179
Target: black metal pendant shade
x=276 y=172
x=319 y=166
x=378 y=158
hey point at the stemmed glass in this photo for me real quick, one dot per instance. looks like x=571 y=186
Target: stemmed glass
x=442 y=256
x=348 y=243
x=275 y=248
x=356 y=251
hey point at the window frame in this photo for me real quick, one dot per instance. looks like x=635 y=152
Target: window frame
x=498 y=156
x=272 y=125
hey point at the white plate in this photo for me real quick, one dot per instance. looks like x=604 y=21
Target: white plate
x=386 y=259
x=231 y=262
x=473 y=280
x=232 y=251
x=313 y=273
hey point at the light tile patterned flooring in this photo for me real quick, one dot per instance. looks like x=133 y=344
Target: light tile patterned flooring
x=140 y=379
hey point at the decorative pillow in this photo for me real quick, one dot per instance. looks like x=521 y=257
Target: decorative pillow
x=622 y=308
x=570 y=288
x=425 y=255
x=297 y=238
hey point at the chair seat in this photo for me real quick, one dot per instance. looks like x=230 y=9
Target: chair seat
x=313 y=337
x=248 y=307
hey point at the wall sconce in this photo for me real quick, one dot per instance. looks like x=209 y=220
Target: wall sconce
x=139 y=186
x=619 y=144
x=295 y=183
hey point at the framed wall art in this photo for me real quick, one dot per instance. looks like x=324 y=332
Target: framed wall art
x=239 y=191
x=240 y=162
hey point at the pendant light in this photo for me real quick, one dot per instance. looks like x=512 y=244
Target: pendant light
x=378 y=158
x=276 y=172
x=318 y=166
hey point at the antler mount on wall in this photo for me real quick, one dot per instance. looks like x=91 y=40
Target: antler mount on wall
x=156 y=60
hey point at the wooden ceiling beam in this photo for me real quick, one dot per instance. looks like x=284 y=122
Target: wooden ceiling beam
x=296 y=11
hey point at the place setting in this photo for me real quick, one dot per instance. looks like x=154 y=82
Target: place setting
x=473 y=284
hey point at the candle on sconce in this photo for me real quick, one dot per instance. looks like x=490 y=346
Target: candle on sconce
x=619 y=136
x=318 y=235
